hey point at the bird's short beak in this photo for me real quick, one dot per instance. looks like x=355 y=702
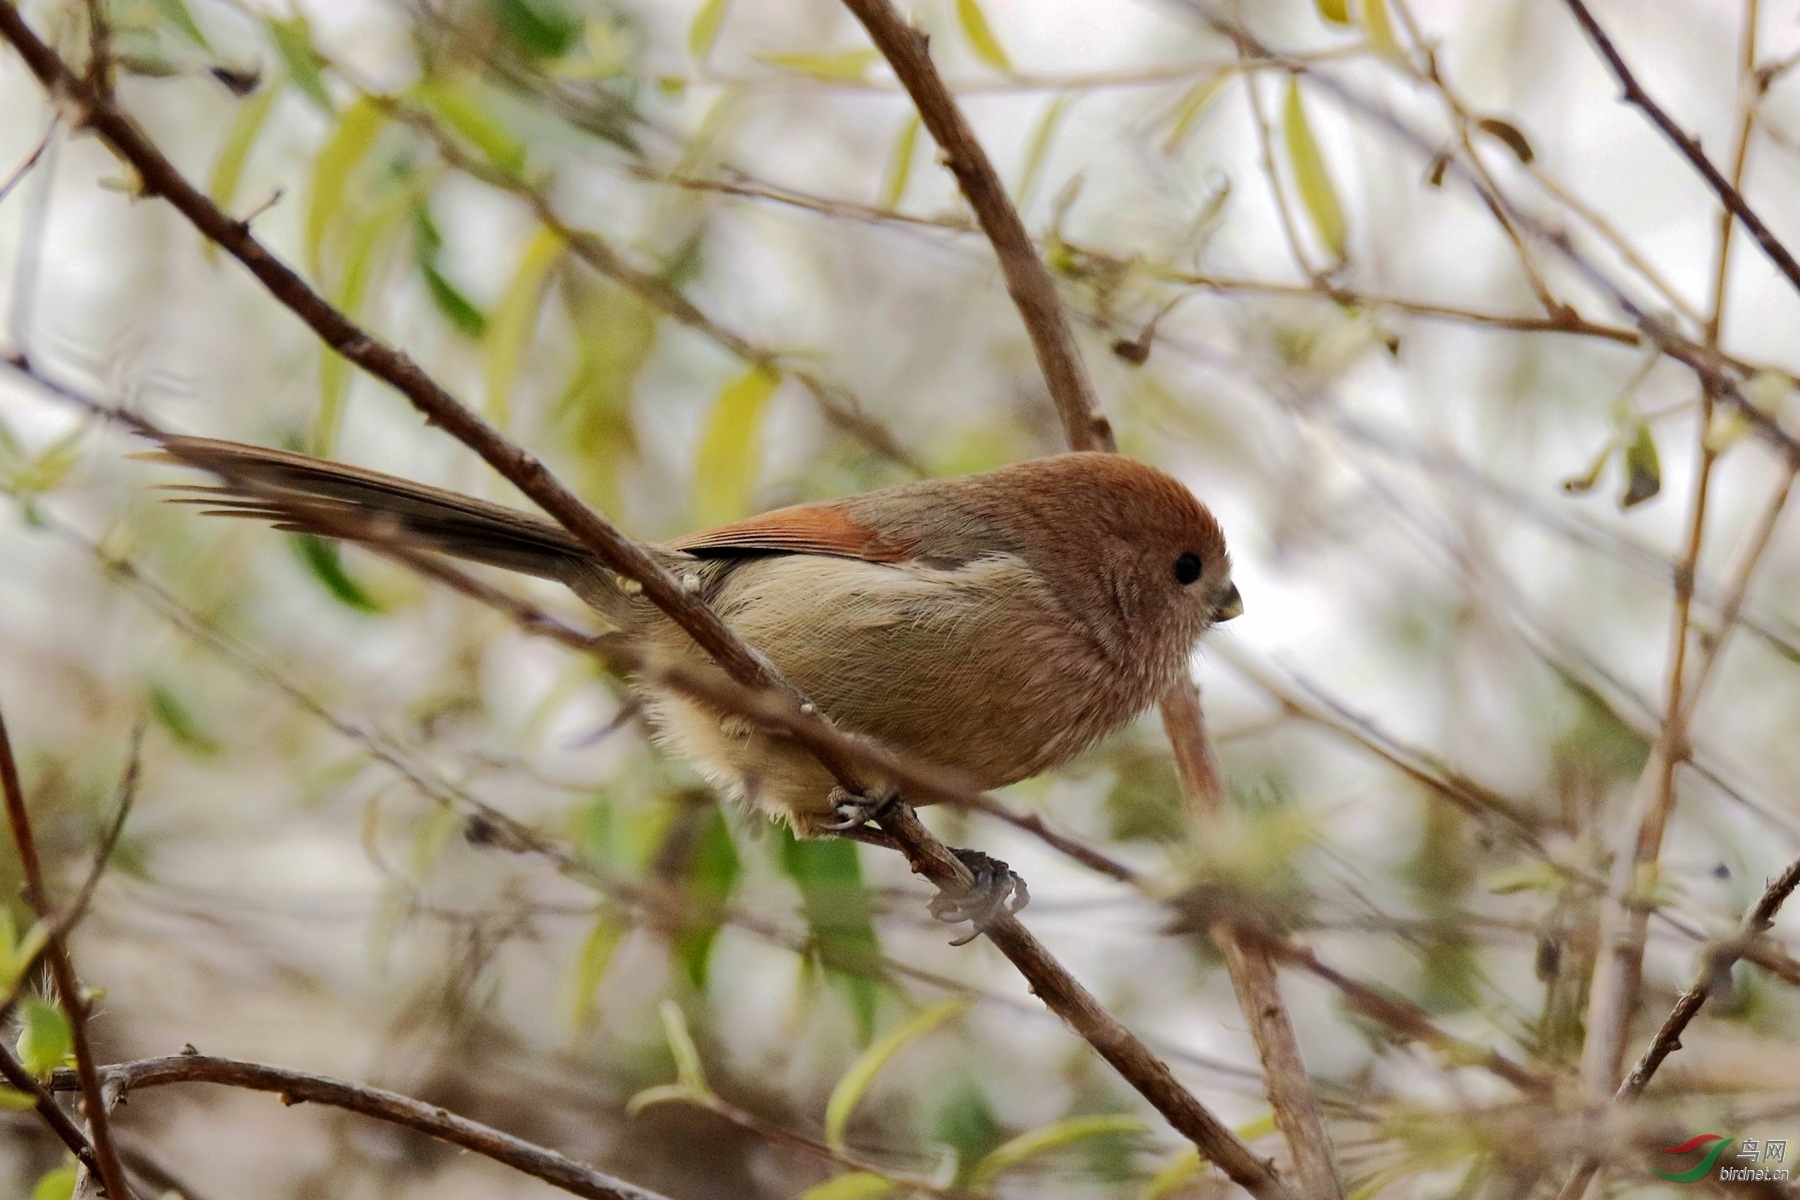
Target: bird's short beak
x=1230 y=605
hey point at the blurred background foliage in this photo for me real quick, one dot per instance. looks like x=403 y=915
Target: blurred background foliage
x=701 y=259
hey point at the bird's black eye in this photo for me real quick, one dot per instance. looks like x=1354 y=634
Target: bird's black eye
x=1187 y=569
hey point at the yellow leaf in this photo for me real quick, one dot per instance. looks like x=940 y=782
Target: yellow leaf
x=515 y=319
x=1039 y=148
x=858 y=1185
x=234 y=150
x=705 y=29
x=1014 y=1151
x=1643 y=468
x=1173 y=1175
x=596 y=955
x=899 y=168
x=730 y=454
x=1194 y=102
x=56 y=1185
x=681 y=1044
x=842 y=66
x=1379 y=28
x=862 y=1072
x=1335 y=11
x=370 y=245
x=457 y=106
x=1311 y=176
x=348 y=145
x=981 y=37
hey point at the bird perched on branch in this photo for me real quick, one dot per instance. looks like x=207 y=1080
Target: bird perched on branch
x=994 y=624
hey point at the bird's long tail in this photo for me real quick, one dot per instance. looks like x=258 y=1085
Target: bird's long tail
x=304 y=494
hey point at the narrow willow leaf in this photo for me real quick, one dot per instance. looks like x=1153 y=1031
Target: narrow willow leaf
x=1173 y=1176
x=1378 y=26
x=325 y=563
x=597 y=950
x=234 y=151
x=662 y=1093
x=858 y=1185
x=12 y=1100
x=704 y=32
x=850 y=1089
x=981 y=37
x=44 y=1038
x=1014 y=1151
x=681 y=1046
x=293 y=41
x=838 y=916
x=176 y=13
x=469 y=120
x=544 y=32
x=18 y=953
x=179 y=723
x=1643 y=468
x=56 y=1185
x=712 y=872
x=615 y=335
x=370 y=244
x=1335 y=11
x=730 y=454
x=515 y=319
x=1310 y=174
x=337 y=160
x=843 y=66
x=461 y=312
x=899 y=167
x=1188 y=110
x=1038 y=150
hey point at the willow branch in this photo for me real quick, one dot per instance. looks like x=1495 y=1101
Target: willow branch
x=75 y=1003
x=301 y=1087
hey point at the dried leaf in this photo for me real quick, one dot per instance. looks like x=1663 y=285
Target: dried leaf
x=1510 y=134
x=1311 y=177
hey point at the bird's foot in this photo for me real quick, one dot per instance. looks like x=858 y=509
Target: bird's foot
x=998 y=891
x=857 y=809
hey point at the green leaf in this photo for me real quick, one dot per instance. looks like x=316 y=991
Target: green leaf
x=370 y=243
x=1193 y=103
x=1173 y=1176
x=176 y=13
x=45 y=1042
x=981 y=37
x=56 y=1185
x=461 y=312
x=324 y=560
x=234 y=151
x=1053 y=1136
x=843 y=66
x=663 y=1093
x=615 y=334
x=1335 y=11
x=704 y=32
x=337 y=160
x=515 y=319
x=688 y=1070
x=293 y=41
x=1643 y=468
x=1038 y=150
x=178 y=721
x=730 y=454
x=899 y=166
x=858 y=1185
x=46 y=471
x=850 y=1089
x=18 y=953
x=13 y=1100
x=712 y=872
x=1311 y=176
x=597 y=951
x=536 y=30
x=462 y=113
x=836 y=902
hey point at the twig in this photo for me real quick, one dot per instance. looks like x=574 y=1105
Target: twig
x=301 y=1087
x=31 y=160
x=75 y=1004
x=746 y=668
x=1027 y=279
x=1727 y=193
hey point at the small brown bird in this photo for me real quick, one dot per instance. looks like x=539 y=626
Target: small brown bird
x=996 y=624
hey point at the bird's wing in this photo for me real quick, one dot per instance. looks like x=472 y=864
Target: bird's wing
x=803 y=529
